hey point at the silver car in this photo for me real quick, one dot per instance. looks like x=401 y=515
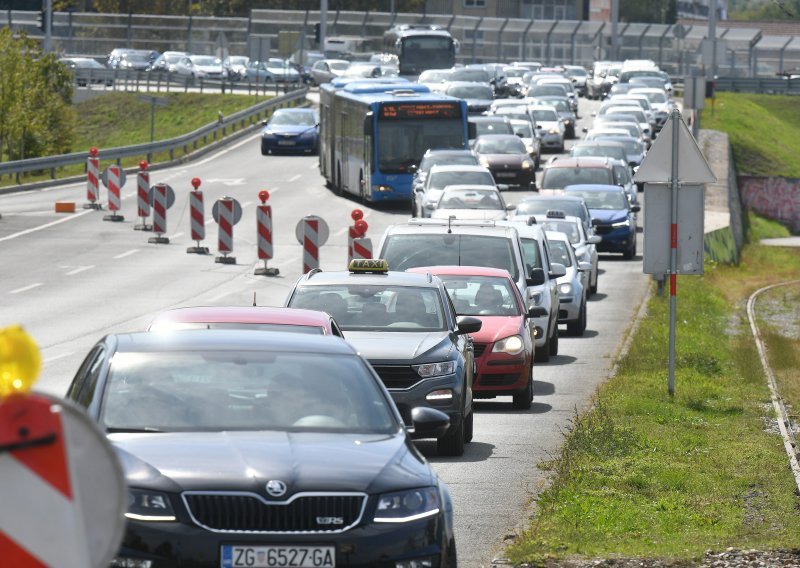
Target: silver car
x=573 y=286
x=439 y=177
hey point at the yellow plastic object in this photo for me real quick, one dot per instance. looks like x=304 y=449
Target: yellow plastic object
x=20 y=361
x=375 y=265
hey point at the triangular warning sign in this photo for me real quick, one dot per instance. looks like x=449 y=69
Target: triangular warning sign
x=657 y=165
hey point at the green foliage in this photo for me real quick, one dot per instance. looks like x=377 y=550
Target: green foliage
x=765 y=10
x=36 y=116
x=242 y=8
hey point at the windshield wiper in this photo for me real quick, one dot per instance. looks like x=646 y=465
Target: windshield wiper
x=113 y=430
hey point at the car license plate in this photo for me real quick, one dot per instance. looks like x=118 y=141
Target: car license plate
x=506 y=174
x=275 y=556
x=285 y=142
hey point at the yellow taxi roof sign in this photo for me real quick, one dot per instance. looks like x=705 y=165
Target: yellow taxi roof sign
x=374 y=265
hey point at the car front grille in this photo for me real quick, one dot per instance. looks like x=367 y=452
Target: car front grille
x=603 y=229
x=479 y=348
x=248 y=512
x=497 y=379
x=397 y=376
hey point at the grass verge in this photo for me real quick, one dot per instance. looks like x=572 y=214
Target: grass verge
x=641 y=475
x=764 y=131
x=121 y=119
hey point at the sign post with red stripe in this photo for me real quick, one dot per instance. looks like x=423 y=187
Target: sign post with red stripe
x=142 y=197
x=264 y=235
x=114 y=178
x=92 y=180
x=311 y=232
x=63 y=492
x=161 y=196
x=197 y=218
x=226 y=212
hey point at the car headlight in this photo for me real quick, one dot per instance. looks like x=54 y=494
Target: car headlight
x=484 y=162
x=407 y=506
x=554 y=131
x=625 y=223
x=529 y=148
x=511 y=345
x=567 y=122
x=565 y=288
x=144 y=505
x=427 y=370
x=526 y=165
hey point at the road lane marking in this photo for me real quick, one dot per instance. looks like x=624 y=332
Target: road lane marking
x=176 y=235
x=246 y=204
x=57 y=357
x=314 y=166
x=26 y=288
x=294 y=178
x=45 y=226
x=79 y=270
x=124 y=254
x=341 y=231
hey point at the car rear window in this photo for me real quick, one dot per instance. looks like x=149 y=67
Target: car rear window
x=404 y=251
x=559 y=178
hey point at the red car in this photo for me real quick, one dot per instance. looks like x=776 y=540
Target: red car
x=246 y=317
x=504 y=345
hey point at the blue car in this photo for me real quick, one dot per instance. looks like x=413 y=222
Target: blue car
x=291 y=129
x=613 y=217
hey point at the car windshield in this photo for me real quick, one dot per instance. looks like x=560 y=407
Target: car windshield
x=338 y=65
x=610 y=200
x=540 y=90
x=203 y=60
x=292 y=119
x=466 y=159
x=638 y=114
x=629 y=127
x=290 y=328
x=470 y=91
x=433 y=76
x=440 y=180
x=481 y=295
x=542 y=206
x=406 y=251
x=503 y=145
x=498 y=127
x=559 y=252
x=545 y=115
x=215 y=391
x=569 y=228
x=530 y=250
x=475 y=75
x=523 y=129
x=559 y=104
x=559 y=178
x=622 y=175
x=375 y=307
x=632 y=146
x=470 y=199
x=616 y=152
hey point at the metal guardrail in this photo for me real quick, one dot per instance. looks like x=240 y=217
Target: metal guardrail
x=233 y=123
x=758 y=85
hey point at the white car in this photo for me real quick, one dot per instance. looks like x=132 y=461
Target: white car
x=573 y=286
x=207 y=67
x=661 y=102
x=325 y=70
x=439 y=177
x=482 y=202
x=550 y=126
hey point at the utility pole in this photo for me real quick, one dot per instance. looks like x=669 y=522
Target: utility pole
x=712 y=35
x=48 y=26
x=614 y=30
x=323 y=24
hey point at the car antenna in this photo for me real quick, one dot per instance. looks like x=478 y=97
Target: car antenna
x=254 y=299
x=450 y=220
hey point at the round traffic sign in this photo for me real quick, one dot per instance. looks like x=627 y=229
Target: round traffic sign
x=152 y=191
x=237 y=210
x=321 y=225
x=114 y=170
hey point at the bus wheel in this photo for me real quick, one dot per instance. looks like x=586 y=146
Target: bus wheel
x=338 y=183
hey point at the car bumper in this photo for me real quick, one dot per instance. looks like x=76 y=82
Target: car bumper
x=568 y=309
x=552 y=141
x=513 y=177
x=375 y=544
x=615 y=240
x=289 y=144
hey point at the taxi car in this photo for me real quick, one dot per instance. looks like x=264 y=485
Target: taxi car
x=405 y=325
x=505 y=343
x=261 y=448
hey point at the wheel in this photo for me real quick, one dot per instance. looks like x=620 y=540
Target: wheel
x=577 y=327
x=631 y=252
x=542 y=354
x=554 y=342
x=413 y=208
x=452 y=443
x=337 y=185
x=522 y=400
x=469 y=427
x=452 y=561
x=264 y=150
x=593 y=287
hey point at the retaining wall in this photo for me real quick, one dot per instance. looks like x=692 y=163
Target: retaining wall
x=776 y=198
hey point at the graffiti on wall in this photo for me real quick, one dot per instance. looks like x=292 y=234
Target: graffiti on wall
x=776 y=198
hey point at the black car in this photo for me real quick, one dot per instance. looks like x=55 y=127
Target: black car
x=407 y=328
x=259 y=448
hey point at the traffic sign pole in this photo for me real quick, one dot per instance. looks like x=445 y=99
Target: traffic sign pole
x=673 y=256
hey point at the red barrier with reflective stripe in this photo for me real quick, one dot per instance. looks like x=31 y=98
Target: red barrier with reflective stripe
x=264 y=227
x=310 y=244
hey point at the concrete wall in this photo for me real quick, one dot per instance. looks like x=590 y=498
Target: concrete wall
x=774 y=197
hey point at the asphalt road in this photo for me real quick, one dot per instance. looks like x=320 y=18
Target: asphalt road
x=69 y=279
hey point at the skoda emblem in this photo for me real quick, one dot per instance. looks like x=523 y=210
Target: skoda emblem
x=276 y=487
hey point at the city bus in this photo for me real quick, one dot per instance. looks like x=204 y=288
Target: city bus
x=375 y=135
x=420 y=47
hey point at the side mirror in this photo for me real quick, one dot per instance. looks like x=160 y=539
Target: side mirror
x=368 y=124
x=635 y=208
x=584 y=130
x=520 y=135
x=468 y=324
x=537 y=312
x=510 y=207
x=595 y=222
x=594 y=240
x=536 y=278
x=557 y=270
x=264 y=122
x=585 y=266
x=412 y=169
x=430 y=206
x=502 y=186
x=428 y=422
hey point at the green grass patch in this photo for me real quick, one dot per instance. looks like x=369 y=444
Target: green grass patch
x=643 y=475
x=764 y=131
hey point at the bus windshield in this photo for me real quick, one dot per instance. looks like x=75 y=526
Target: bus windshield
x=402 y=143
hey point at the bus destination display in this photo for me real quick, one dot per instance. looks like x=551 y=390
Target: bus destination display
x=420 y=110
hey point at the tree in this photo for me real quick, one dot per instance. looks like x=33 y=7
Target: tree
x=36 y=114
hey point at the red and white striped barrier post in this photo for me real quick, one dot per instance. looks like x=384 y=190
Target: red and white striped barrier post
x=197 y=218
x=311 y=232
x=114 y=179
x=352 y=233
x=142 y=197
x=362 y=246
x=264 y=235
x=160 y=198
x=92 y=180
x=227 y=212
